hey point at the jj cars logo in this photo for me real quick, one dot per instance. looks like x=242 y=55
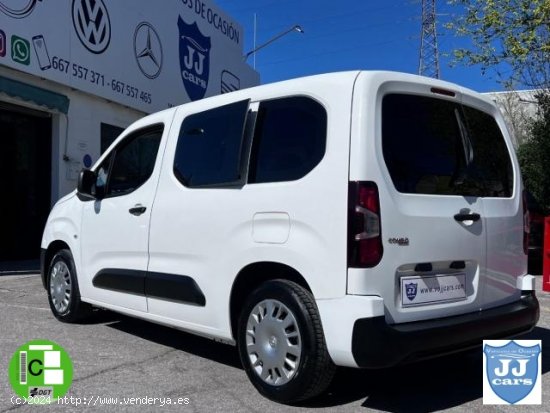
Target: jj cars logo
x=194 y=59
x=92 y=24
x=411 y=290
x=511 y=372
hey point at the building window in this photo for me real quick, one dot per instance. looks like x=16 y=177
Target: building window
x=108 y=135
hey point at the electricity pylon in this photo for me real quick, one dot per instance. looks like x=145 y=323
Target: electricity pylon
x=429 y=55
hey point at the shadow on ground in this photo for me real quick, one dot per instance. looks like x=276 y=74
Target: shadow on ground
x=166 y=336
x=427 y=386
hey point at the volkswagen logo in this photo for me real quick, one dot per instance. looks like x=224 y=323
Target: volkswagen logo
x=148 y=50
x=92 y=24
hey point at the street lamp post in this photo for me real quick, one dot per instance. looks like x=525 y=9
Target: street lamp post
x=296 y=28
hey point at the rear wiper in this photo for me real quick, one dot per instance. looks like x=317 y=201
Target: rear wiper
x=464 y=172
x=466 y=141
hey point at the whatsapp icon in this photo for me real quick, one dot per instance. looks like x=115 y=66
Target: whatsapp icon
x=20 y=50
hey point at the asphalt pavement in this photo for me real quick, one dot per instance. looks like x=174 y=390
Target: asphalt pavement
x=119 y=360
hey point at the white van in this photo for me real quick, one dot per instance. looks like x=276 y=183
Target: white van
x=359 y=219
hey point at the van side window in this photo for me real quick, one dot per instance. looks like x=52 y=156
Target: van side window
x=133 y=163
x=210 y=146
x=289 y=140
x=437 y=147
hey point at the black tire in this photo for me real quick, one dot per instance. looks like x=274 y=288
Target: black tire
x=74 y=310
x=314 y=368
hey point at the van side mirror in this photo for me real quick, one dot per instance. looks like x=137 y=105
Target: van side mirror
x=86 y=183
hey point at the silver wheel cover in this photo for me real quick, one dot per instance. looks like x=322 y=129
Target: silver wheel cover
x=273 y=342
x=60 y=287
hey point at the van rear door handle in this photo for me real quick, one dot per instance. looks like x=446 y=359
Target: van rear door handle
x=467 y=217
x=137 y=210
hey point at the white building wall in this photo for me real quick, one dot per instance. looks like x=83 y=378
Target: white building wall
x=143 y=56
x=85 y=115
x=518 y=108
x=115 y=61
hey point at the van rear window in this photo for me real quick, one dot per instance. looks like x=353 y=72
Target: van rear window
x=437 y=147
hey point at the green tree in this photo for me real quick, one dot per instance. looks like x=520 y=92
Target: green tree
x=516 y=34
x=534 y=156
x=506 y=32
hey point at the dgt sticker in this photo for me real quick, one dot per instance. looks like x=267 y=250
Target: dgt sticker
x=512 y=372
x=42 y=370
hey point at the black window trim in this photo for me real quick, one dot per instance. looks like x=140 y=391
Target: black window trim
x=250 y=131
x=112 y=154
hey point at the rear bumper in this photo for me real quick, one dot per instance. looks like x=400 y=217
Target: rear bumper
x=376 y=344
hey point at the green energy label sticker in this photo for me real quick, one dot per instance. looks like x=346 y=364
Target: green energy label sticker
x=41 y=370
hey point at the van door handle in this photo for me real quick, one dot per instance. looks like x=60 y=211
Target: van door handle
x=137 y=210
x=467 y=217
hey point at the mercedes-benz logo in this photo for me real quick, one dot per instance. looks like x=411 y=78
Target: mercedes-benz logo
x=148 y=50
x=92 y=24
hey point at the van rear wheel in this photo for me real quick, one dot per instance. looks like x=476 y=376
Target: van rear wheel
x=281 y=343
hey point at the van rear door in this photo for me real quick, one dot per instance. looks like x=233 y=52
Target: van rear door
x=434 y=171
x=503 y=216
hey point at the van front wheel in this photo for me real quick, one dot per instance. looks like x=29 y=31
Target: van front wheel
x=63 y=291
x=281 y=343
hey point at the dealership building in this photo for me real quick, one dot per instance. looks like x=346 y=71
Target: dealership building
x=75 y=73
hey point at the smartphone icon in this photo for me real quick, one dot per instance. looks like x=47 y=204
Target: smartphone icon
x=41 y=52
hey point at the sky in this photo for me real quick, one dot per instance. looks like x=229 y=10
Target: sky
x=348 y=35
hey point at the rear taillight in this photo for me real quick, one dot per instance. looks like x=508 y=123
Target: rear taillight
x=364 y=233
x=526 y=224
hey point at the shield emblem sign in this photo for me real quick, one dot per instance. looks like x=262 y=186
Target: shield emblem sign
x=194 y=59
x=411 y=290
x=512 y=370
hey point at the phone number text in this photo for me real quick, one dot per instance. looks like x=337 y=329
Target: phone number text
x=80 y=72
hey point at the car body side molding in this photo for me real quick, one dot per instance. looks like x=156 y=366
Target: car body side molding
x=169 y=287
